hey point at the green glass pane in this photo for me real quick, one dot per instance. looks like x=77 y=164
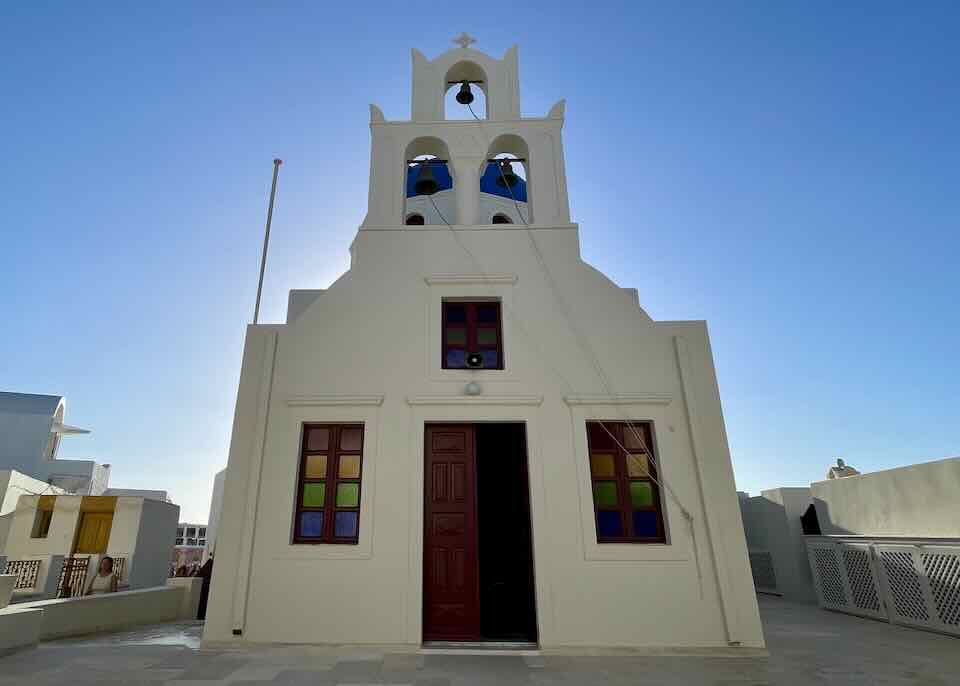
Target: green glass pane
x=487 y=336
x=348 y=495
x=602 y=466
x=349 y=466
x=605 y=493
x=637 y=465
x=316 y=467
x=456 y=336
x=641 y=493
x=313 y=494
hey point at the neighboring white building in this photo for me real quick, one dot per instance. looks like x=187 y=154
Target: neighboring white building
x=47 y=529
x=13 y=484
x=473 y=434
x=32 y=427
x=216 y=507
x=189 y=544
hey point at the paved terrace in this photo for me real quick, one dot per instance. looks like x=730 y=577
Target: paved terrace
x=808 y=646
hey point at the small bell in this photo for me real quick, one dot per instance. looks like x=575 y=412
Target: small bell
x=426 y=184
x=465 y=96
x=506 y=178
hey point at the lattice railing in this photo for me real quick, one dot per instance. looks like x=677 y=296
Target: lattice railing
x=73 y=574
x=914 y=583
x=27 y=572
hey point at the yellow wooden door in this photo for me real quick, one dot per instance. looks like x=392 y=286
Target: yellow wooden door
x=94 y=532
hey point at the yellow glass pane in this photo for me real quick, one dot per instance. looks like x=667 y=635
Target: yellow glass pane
x=316 y=467
x=637 y=465
x=349 y=466
x=602 y=465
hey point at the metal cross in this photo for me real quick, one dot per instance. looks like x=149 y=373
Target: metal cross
x=464 y=40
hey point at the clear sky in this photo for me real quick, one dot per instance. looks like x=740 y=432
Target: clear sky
x=787 y=171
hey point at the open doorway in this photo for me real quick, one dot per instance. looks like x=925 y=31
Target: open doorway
x=478 y=549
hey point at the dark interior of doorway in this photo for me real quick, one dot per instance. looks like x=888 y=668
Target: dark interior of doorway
x=507 y=605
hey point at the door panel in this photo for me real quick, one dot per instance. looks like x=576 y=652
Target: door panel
x=94 y=533
x=451 y=592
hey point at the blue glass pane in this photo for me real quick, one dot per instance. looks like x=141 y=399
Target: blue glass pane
x=311 y=523
x=489 y=359
x=487 y=314
x=644 y=523
x=346 y=524
x=456 y=314
x=456 y=359
x=609 y=523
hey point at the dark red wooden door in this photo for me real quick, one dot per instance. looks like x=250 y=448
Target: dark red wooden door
x=451 y=591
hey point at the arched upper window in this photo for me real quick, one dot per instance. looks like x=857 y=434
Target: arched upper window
x=475 y=79
x=414 y=219
x=428 y=182
x=501 y=218
x=503 y=183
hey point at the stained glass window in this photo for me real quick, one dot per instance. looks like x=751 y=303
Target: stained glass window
x=328 y=499
x=472 y=327
x=623 y=473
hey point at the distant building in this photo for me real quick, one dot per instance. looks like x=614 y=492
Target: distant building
x=188 y=545
x=213 y=519
x=32 y=427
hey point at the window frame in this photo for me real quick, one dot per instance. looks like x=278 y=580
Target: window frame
x=41 y=523
x=331 y=480
x=621 y=477
x=471 y=327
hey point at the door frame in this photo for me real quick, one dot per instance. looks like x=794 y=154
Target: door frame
x=479 y=410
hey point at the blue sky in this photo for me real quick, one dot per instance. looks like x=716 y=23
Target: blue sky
x=786 y=171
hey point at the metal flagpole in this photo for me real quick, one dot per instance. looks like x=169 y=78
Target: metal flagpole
x=266 y=237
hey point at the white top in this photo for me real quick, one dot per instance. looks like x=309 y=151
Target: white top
x=101 y=584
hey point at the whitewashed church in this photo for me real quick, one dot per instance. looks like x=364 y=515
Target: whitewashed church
x=473 y=435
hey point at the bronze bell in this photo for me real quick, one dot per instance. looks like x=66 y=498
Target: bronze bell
x=506 y=178
x=426 y=184
x=465 y=96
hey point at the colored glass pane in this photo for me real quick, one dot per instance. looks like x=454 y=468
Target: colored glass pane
x=316 y=467
x=487 y=336
x=605 y=493
x=349 y=467
x=345 y=524
x=600 y=439
x=456 y=358
x=313 y=494
x=456 y=336
x=487 y=313
x=350 y=438
x=634 y=437
x=348 y=495
x=641 y=493
x=602 y=466
x=645 y=523
x=456 y=314
x=318 y=438
x=637 y=465
x=490 y=359
x=311 y=523
x=609 y=523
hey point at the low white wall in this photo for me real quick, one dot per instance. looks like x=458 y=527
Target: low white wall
x=919 y=500
x=108 y=612
x=190 y=601
x=6 y=588
x=19 y=628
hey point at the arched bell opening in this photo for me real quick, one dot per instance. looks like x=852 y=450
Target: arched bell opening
x=428 y=183
x=503 y=182
x=465 y=90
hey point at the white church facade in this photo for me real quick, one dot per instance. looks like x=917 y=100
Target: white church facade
x=473 y=435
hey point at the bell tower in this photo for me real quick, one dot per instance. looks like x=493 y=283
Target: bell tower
x=496 y=167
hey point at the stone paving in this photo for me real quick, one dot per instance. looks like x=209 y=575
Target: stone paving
x=807 y=646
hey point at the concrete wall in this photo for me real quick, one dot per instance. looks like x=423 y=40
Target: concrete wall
x=20 y=627
x=917 y=500
x=157 y=531
x=216 y=509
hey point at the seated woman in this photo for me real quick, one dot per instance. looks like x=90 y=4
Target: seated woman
x=104 y=581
